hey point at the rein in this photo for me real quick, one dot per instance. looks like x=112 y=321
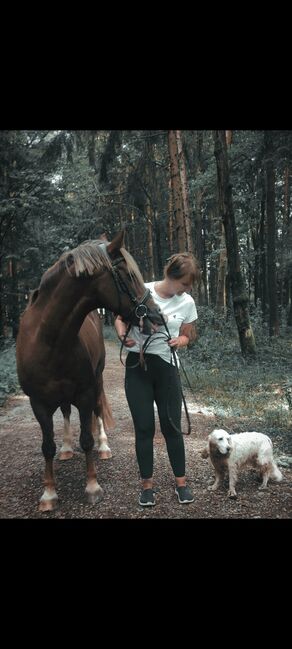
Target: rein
x=140 y=310
x=145 y=346
x=178 y=375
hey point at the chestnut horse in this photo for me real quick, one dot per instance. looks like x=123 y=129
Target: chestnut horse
x=60 y=349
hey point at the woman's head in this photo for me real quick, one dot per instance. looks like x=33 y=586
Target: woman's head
x=184 y=267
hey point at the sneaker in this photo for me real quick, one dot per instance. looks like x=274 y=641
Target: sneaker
x=184 y=495
x=147 y=498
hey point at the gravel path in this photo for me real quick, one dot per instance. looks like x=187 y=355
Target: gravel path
x=22 y=467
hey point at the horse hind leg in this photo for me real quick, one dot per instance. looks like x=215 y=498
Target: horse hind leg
x=94 y=492
x=104 y=419
x=104 y=451
x=66 y=450
x=49 y=498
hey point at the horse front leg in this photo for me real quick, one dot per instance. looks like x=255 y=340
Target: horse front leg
x=94 y=492
x=48 y=500
x=66 y=450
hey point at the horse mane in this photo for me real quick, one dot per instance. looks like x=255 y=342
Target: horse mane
x=85 y=259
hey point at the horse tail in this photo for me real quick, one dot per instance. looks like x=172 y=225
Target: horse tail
x=105 y=411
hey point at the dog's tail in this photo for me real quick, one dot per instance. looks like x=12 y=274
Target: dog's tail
x=276 y=473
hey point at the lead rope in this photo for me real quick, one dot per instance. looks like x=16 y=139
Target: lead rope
x=181 y=390
x=142 y=362
x=141 y=354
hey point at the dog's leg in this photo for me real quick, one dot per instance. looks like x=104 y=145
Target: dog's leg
x=218 y=481
x=265 y=474
x=232 y=482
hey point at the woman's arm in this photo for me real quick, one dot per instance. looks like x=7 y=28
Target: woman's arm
x=121 y=328
x=187 y=333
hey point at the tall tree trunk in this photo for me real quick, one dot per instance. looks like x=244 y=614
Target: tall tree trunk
x=263 y=265
x=221 y=284
x=229 y=135
x=286 y=239
x=239 y=296
x=199 y=226
x=150 y=244
x=177 y=192
x=170 y=224
x=271 y=236
x=185 y=198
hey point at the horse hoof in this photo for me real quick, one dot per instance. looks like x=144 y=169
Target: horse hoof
x=105 y=455
x=95 y=497
x=48 y=505
x=65 y=455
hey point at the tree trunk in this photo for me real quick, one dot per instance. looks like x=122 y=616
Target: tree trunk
x=150 y=244
x=185 y=199
x=221 y=288
x=177 y=193
x=239 y=296
x=170 y=226
x=271 y=237
x=262 y=236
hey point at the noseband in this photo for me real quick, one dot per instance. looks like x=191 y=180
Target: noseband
x=140 y=309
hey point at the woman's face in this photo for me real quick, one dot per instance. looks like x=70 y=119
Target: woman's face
x=181 y=285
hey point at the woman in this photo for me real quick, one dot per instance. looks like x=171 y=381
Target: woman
x=156 y=379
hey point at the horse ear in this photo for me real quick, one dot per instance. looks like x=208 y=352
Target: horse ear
x=117 y=243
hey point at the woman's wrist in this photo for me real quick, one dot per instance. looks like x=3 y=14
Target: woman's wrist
x=184 y=340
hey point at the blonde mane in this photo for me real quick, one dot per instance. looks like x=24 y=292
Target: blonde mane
x=86 y=258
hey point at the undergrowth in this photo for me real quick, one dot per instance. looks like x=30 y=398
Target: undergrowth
x=258 y=389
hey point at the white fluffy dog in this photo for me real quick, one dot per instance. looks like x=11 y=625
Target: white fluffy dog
x=230 y=452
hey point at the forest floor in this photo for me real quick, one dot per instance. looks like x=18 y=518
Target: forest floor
x=22 y=466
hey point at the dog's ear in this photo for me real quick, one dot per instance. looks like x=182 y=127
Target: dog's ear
x=205 y=453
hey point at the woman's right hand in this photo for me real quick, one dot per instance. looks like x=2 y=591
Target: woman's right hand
x=128 y=342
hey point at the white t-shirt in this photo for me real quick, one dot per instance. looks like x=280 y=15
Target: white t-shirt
x=179 y=309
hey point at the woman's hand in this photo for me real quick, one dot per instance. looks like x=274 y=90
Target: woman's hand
x=180 y=341
x=127 y=342
x=121 y=328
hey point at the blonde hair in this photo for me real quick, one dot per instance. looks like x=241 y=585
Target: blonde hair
x=182 y=264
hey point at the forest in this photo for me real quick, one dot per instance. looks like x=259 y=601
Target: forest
x=223 y=195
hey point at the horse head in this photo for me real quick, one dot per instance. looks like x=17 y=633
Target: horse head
x=136 y=304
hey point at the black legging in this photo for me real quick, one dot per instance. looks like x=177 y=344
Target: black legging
x=158 y=383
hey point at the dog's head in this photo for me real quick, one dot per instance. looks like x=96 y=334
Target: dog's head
x=220 y=441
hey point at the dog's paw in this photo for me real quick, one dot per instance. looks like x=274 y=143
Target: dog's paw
x=205 y=453
x=232 y=494
x=213 y=487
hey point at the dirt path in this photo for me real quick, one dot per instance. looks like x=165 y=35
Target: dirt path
x=22 y=466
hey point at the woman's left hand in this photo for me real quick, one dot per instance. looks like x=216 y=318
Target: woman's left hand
x=180 y=341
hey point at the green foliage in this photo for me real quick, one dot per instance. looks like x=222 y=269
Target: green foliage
x=232 y=386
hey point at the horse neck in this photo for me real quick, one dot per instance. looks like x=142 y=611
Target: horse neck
x=64 y=308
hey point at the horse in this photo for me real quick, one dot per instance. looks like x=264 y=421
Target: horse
x=60 y=350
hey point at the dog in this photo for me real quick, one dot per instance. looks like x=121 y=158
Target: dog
x=230 y=452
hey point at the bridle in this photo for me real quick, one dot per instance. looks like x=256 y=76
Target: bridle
x=140 y=310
